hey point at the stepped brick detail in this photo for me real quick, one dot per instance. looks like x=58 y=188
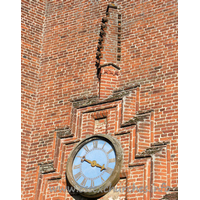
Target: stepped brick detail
x=146 y=163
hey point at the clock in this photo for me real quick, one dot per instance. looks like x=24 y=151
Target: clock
x=94 y=165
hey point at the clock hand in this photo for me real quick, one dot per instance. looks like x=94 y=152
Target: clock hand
x=93 y=163
x=83 y=159
x=102 y=167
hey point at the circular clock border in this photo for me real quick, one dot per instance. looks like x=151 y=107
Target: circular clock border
x=111 y=181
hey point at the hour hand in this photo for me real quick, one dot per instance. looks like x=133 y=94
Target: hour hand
x=93 y=163
x=102 y=167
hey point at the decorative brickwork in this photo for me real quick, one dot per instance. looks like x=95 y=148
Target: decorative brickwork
x=91 y=67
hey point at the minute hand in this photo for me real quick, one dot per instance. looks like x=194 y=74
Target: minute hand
x=88 y=161
x=83 y=159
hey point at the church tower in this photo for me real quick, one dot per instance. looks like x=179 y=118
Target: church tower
x=99 y=100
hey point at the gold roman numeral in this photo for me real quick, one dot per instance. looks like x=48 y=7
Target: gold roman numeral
x=86 y=148
x=102 y=180
x=109 y=170
x=110 y=151
x=77 y=166
x=111 y=160
x=92 y=183
x=77 y=176
x=95 y=143
x=84 y=182
x=78 y=156
x=103 y=145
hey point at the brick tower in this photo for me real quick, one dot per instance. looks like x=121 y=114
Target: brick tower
x=100 y=67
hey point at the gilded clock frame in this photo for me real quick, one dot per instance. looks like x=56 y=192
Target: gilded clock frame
x=110 y=182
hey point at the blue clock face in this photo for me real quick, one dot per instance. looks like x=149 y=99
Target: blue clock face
x=93 y=164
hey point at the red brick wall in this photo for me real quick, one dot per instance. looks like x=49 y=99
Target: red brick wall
x=32 y=20
x=59 y=45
